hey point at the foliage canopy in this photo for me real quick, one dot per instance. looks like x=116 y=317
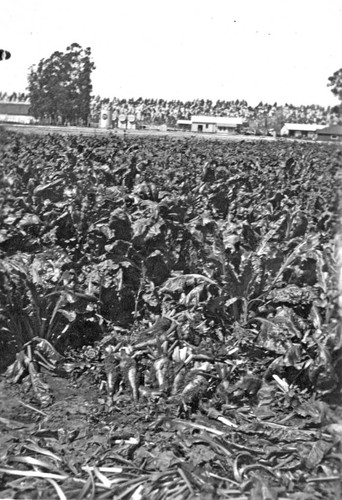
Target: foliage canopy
x=335 y=82
x=60 y=86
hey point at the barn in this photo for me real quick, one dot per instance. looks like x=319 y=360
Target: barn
x=216 y=124
x=15 y=112
x=332 y=133
x=301 y=130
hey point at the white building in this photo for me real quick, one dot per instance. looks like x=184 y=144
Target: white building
x=184 y=124
x=212 y=124
x=16 y=112
x=301 y=130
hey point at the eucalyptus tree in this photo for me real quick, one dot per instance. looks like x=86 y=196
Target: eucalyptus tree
x=60 y=86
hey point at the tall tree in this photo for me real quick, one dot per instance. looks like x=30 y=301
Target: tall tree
x=60 y=86
x=335 y=82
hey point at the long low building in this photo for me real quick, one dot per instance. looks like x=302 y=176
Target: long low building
x=332 y=133
x=301 y=130
x=216 y=124
x=15 y=112
x=212 y=124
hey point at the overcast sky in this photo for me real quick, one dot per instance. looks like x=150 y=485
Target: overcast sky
x=257 y=50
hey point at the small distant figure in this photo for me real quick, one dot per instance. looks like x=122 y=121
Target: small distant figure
x=4 y=54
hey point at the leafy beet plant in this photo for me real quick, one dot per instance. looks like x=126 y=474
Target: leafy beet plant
x=105 y=232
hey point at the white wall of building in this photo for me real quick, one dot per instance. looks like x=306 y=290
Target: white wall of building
x=24 y=119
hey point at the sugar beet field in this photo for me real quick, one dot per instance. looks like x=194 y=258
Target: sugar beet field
x=170 y=326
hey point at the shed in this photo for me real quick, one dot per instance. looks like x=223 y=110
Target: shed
x=15 y=112
x=332 y=133
x=184 y=124
x=301 y=130
x=215 y=124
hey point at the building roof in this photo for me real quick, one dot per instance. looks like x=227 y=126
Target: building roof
x=15 y=103
x=184 y=122
x=228 y=125
x=304 y=127
x=332 y=130
x=217 y=120
x=14 y=108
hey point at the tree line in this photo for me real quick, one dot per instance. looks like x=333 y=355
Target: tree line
x=60 y=87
